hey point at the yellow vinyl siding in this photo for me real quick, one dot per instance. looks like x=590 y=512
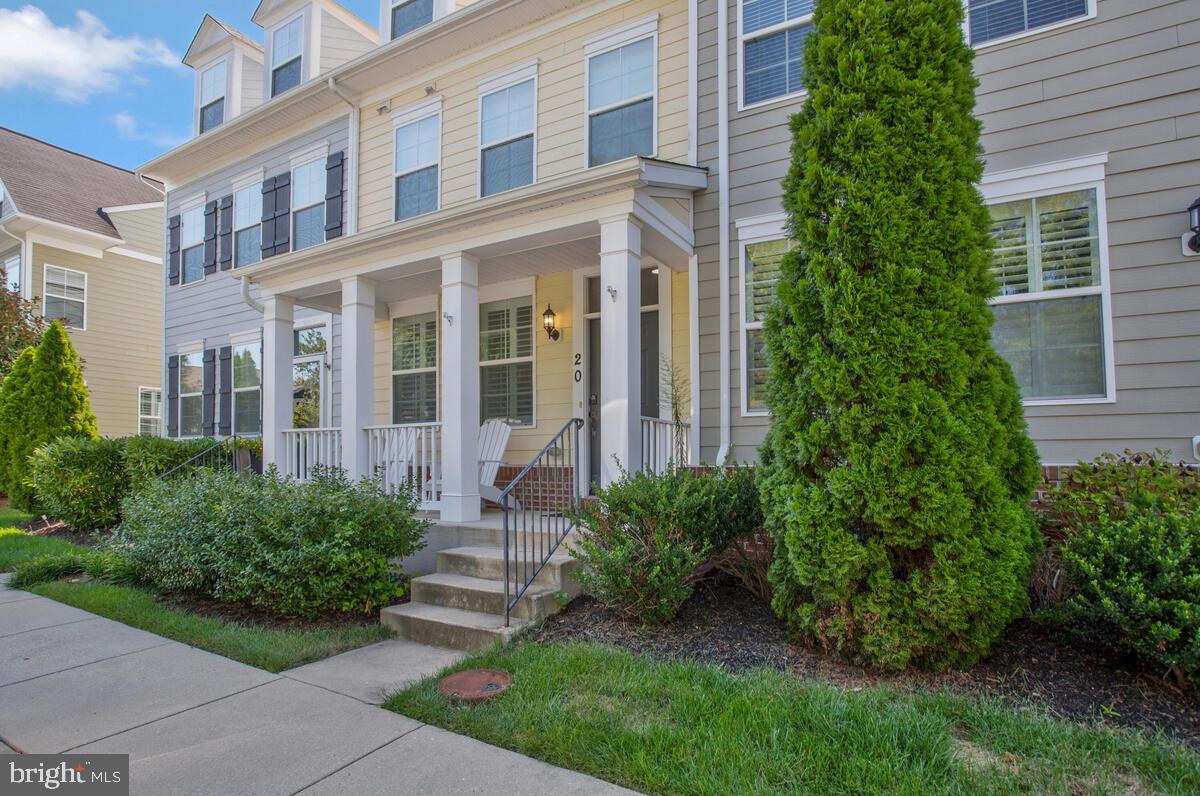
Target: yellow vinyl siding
x=121 y=347
x=142 y=230
x=558 y=48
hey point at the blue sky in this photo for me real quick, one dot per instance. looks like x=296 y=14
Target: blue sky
x=103 y=77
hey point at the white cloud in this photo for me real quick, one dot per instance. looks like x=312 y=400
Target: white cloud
x=130 y=129
x=72 y=63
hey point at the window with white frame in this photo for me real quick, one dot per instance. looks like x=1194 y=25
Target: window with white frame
x=287 y=62
x=771 y=35
x=506 y=137
x=191 y=394
x=414 y=368
x=761 y=264
x=149 y=411
x=64 y=296
x=191 y=242
x=1048 y=259
x=212 y=96
x=417 y=166
x=12 y=273
x=247 y=225
x=308 y=205
x=621 y=102
x=408 y=15
x=247 y=388
x=310 y=349
x=991 y=20
x=506 y=361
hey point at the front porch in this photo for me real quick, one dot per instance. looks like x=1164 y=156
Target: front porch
x=569 y=301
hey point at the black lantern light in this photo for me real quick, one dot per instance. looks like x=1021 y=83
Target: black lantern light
x=1194 y=224
x=549 y=323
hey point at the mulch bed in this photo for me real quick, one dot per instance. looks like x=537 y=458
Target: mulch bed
x=246 y=614
x=1033 y=665
x=60 y=530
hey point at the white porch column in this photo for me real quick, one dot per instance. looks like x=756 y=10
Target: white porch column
x=278 y=322
x=460 y=388
x=621 y=346
x=358 y=373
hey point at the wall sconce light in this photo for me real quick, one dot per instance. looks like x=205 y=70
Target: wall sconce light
x=1193 y=242
x=549 y=323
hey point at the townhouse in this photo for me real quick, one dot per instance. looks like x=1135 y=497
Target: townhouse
x=81 y=239
x=538 y=210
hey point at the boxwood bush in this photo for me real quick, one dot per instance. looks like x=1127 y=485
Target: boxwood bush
x=81 y=481
x=299 y=549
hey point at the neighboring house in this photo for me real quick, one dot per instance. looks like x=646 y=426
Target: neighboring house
x=524 y=209
x=83 y=241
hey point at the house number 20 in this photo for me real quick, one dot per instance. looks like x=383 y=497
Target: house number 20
x=578 y=368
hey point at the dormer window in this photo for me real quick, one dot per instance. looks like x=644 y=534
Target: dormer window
x=287 y=49
x=408 y=15
x=212 y=96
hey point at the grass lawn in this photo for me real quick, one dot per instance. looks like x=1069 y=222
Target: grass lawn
x=267 y=648
x=16 y=546
x=681 y=728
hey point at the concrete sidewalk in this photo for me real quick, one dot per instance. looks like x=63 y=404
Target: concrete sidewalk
x=194 y=722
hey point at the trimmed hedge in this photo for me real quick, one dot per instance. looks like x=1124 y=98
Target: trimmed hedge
x=81 y=481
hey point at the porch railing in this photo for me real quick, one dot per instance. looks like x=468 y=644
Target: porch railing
x=307 y=448
x=408 y=457
x=232 y=453
x=665 y=443
x=537 y=506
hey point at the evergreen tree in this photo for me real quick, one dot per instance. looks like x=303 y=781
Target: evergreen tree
x=56 y=406
x=898 y=470
x=12 y=402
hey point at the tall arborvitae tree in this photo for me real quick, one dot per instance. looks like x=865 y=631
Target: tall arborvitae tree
x=56 y=406
x=898 y=471
x=12 y=407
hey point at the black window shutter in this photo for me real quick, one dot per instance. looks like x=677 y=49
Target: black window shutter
x=210 y=238
x=283 y=214
x=225 y=231
x=173 y=241
x=173 y=396
x=226 y=390
x=210 y=391
x=334 y=194
x=268 y=217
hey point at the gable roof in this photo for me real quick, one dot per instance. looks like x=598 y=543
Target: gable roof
x=212 y=32
x=55 y=184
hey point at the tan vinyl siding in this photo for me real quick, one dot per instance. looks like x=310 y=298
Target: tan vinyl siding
x=121 y=347
x=142 y=230
x=557 y=45
x=339 y=43
x=1126 y=83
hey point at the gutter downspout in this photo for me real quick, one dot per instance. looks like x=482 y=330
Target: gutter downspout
x=248 y=300
x=142 y=179
x=351 y=157
x=723 y=218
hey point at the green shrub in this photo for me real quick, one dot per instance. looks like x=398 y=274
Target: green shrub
x=294 y=548
x=643 y=537
x=1135 y=585
x=94 y=562
x=147 y=458
x=81 y=481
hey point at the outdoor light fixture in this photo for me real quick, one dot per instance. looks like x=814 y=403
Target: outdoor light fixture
x=1194 y=224
x=549 y=321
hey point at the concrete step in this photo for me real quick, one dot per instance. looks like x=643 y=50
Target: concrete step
x=480 y=536
x=487 y=563
x=483 y=596
x=450 y=628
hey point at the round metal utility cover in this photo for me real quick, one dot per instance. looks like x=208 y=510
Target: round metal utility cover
x=475 y=685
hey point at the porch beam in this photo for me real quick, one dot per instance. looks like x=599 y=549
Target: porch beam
x=358 y=373
x=621 y=349
x=278 y=323
x=460 y=388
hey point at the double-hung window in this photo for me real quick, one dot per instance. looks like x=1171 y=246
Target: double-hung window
x=247 y=225
x=506 y=137
x=621 y=101
x=64 y=296
x=761 y=262
x=417 y=165
x=212 y=96
x=192 y=243
x=191 y=394
x=12 y=273
x=506 y=361
x=992 y=20
x=247 y=388
x=308 y=205
x=408 y=15
x=287 y=56
x=149 y=411
x=414 y=368
x=771 y=36
x=1051 y=314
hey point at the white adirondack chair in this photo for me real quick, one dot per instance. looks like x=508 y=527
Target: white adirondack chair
x=493 y=439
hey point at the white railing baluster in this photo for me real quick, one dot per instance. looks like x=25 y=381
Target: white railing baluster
x=664 y=444
x=307 y=448
x=407 y=456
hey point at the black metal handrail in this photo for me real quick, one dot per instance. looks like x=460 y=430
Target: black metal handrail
x=537 y=506
x=226 y=454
